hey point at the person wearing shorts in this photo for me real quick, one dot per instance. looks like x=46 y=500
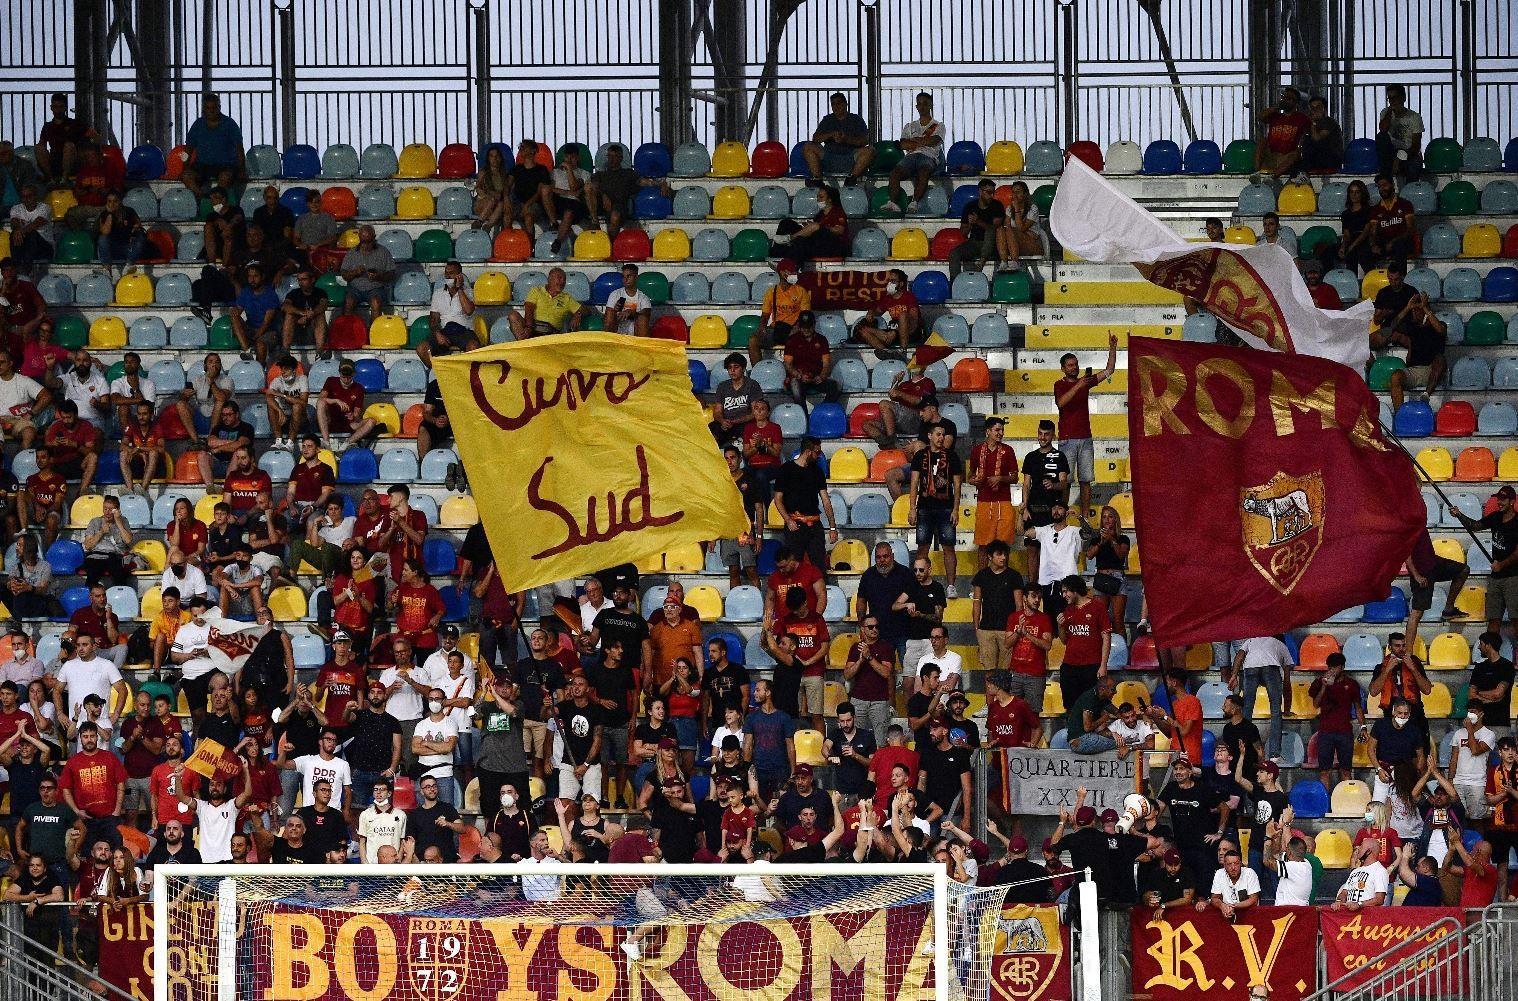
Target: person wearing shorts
x=1425 y=569
x=781 y=307
x=922 y=140
x=1072 y=395
x=547 y=309
x=992 y=471
x=368 y=269
x=1502 y=583
x=937 y=475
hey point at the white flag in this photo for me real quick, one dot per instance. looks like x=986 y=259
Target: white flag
x=1257 y=291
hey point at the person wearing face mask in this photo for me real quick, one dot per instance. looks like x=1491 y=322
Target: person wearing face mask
x=783 y=303
x=380 y=825
x=433 y=742
x=216 y=816
x=895 y=320
x=511 y=826
x=1394 y=738
x=1401 y=676
x=826 y=235
x=1470 y=749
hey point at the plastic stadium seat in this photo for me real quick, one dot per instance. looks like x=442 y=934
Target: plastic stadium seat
x=300 y=163
x=731 y=288
x=1044 y=159
x=932 y=287
x=60 y=200
x=1012 y=287
x=1256 y=199
x=1211 y=695
x=1462 y=285
x=943 y=244
x=791 y=418
x=827 y=420
x=415 y=203
x=1202 y=157
x=1481 y=240
x=653 y=159
x=849 y=465
x=769 y=159
x=1161 y=158
x=970 y=375
x=1344 y=282
x=1239 y=157
x=134 y=290
x=708 y=331
x=670 y=327
x=1475 y=464
x=1458 y=198
x=376 y=201
x=456 y=161
x=909 y=244
x=1497 y=419
x=1500 y=285
x=1242 y=235
x=989 y=330
x=148 y=332
x=1309 y=799
x=1481 y=155
x=1442 y=156
x=1004 y=157
x=965 y=157
x=1437 y=463
x=108 y=333
x=1456 y=419
x=1360 y=157
x=1449 y=652
x=1499 y=198
x=592 y=245
x=1297 y=199
x=378 y=162
x=884 y=461
x=749 y=246
x=731 y=202
x=1441 y=240
x=1504 y=373
x=453 y=203
x=146 y=163
x=729 y=159
x=1088 y=153
x=692 y=160
x=1315 y=650
x=1470 y=372
x=870 y=244
x=1333 y=847
x=1390 y=610
x=691 y=203
x=1414 y=420
x=417 y=160
x=1349 y=799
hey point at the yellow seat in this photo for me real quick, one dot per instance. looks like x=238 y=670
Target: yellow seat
x=730 y=202
x=389 y=332
x=592 y=245
x=150 y=605
x=1362 y=747
x=1114 y=293
x=839 y=647
x=108 y=333
x=706 y=600
x=772 y=517
x=153 y=554
x=84 y=508
x=958 y=610
x=671 y=245
x=492 y=289
x=472 y=796
x=1241 y=235
x=1160 y=759
x=1438 y=703
x=1134 y=692
x=288 y=603
x=1449 y=652
x=1481 y=240
x=909 y=244
x=849 y=556
x=1374 y=281
x=1123 y=504
x=328 y=457
x=1054 y=702
x=60 y=201
x=809 y=747
x=849 y=465
x=685 y=559
x=414 y=203
x=5 y=251
x=1450 y=549
x=1334 y=848
x=348 y=239
x=1507 y=465
x=1296 y=199
x=1471 y=601
x=536 y=789
x=385 y=415
x=730 y=159
x=1004 y=157
x=1112 y=470
x=1349 y=799
x=708 y=331
x=1070 y=336
x=134 y=290
x=900 y=508
x=416 y=161
x=459 y=512
x=1436 y=462
x=1301 y=700
x=1199 y=657
x=834 y=694
x=470 y=644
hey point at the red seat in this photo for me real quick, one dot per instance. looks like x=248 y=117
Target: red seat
x=671 y=327
x=339 y=202
x=347 y=333
x=456 y=160
x=404 y=793
x=884 y=461
x=970 y=375
x=114 y=162
x=511 y=246
x=1510 y=242
x=179 y=158
x=861 y=413
x=769 y=159
x=1456 y=419
x=944 y=241
x=1087 y=152
x=328 y=260
x=160 y=247
x=1142 y=655
x=630 y=245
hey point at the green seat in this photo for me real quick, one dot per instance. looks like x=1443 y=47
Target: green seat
x=1012 y=286
x=880 y=196
x=654 y=285
x=115 y=372
x=1381 y=370
x=70 y=331
x=333 y=285
x=887 y=155
x=1460 y=702
x=203 y=211
x=419 y=331
x=594 y=321
x=586 y=161
x=749 y=245
x=1485 y=328
x=1444 y=156
x=1459 y=198
x=1238 y=158
x=432 y=247
x=742 y=330
x=74 y=247
x=221 y=337
x=1043 y=197
x=1315 y=237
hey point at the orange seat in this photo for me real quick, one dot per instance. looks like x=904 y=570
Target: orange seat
x=160 y=247
x=347 y=333
x=339 y=202
x=511 y=246
x=860 y=414
x=135 y=841
x=187 y=469
x=1475 y=464
x=970 y=375
x=1315 y=650
x=412 y=422
x=884 y=461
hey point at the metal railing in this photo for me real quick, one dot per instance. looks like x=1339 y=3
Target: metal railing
x=1470 y=960
x=32 y=971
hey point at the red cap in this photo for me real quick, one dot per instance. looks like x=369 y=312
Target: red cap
x=1109 y=816
x=1085 y=815
x=803 y=769
x=787 y=264
x=1018 y=844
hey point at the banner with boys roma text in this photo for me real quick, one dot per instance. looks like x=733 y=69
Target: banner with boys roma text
x=1265 y=495
x=1352 y=940
x=1190 y=955
x=1031 y=958
x=845 y=288
x=585 y=451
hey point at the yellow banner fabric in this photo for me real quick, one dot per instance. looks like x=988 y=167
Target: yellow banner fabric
x=585 y=451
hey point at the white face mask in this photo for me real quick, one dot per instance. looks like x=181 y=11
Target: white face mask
x=508 y=801
x=1399 y=721
x=382 y=804
x=1370 y=817
x=434 y=706
x=893 y=287
x=792 y=279
x=1471 y=718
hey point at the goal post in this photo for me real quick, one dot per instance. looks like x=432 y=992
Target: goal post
x=562 y=932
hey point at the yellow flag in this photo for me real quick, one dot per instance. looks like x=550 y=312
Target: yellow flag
x=585 y=451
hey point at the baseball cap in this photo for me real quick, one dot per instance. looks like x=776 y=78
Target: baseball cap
x=1109 y=816
x=731 y=743
x=1172 y=857
x=668 y=744
x=1049 y=845
x=1085 y=815
x=1507 y=492
x=1271 y=768
x=959 y=697
x=451 y=631
x=1181 y=759
x=342 y=636
x=786 y=264
x=803 y=769
x=1019 y=844
x=806 y=318
x=673 y=781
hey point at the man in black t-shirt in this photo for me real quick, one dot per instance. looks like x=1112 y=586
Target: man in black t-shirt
x=1492 y=681
x=620 y=622
x=1166 y=881
x=1502 y=583
x=326 y=827
x=937 y=476
x=726 y=683
x=1193 y=808
x=987 y=238
x=172 y=849
x=1424 y=336
x=435 y=430
x=530 y=186
x=1046 y=479
x=540 y=680
x=923 y=604
x=801 y=497
x=577 y=743
x=944 y=777
x=434 y=824
x=1240 y=734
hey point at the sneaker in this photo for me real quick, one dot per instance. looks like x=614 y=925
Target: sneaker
x=451 y=480
x=247 y=354
x=814 y=182
x=852 y=181
x=632 y=950
x=891 y=354
x=951 y=590
x=342 y=447
x=555 y=247
x=203 y=313
x=1451 y=612
x=913 y=207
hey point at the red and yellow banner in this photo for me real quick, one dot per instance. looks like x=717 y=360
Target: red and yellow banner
x=1352 y=940
x=845 y=289
x=1031 y=961
x=585 y=451
x=1186 y=954
x=126 y=942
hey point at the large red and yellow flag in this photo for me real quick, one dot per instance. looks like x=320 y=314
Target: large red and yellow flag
x=1265 y=495
x=585 y=451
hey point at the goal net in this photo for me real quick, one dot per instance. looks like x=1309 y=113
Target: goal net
x=571 y=933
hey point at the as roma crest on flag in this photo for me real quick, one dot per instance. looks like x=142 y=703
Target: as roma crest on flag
x=1283 y=526
x=1030 y=960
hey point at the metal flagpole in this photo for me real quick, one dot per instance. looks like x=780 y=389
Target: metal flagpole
x=1435 y=484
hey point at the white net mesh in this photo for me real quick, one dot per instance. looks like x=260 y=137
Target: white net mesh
x=579 y=933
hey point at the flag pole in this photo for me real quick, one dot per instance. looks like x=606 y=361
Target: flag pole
x=1435 y=484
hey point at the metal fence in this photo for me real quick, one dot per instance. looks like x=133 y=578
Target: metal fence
x=30 y=971
x=439 y=71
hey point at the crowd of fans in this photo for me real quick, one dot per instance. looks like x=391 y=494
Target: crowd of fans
x=609 y=731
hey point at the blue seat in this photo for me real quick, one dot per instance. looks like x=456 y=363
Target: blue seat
x=178 y=205
x=122 y=599
x=1510 y=155
x=1462 y=285
x=1360 y=157
x=301 y=162
x=854 y=200
x=1200 y=327
x=1257 y=199
x=1211 y=696
x=769 y=373
x=172 y=290
x=397 y=465
x=1441 y=240
x=931 y=288
x=66 y=557
x=1347 y=615
x=852 y=375
x=109 y=472
x=691 y=202
x=309 y=650
x=710 y=246
x=146 y=163
x=93 y=290
x=970 y=286
x=1482 y=155
x=990 y=330
x=339 y=162
x=407 y=375
x=167 y=376
x=1414 y=420
x=148 y=332
x=1043 y=159
x=435 y=465
x=294 y=199
x=56 y=289
x=455 y=603
x=1331 y=198
x=379 y=162
x=577 y=284
x=1389 y=610
x=72 y=600
x=870 y=244
x=247 y=376
x=934 y=203
x=1309 y=799
x=142 y=201
x=1362 y=652
x=24 y=464
x=966 y=157
x=1497 y=419
x=605 y=284
x=652 y=159
x=357 y=465
x=454 y=203
x=731 y=288
x=961 y=198
x=700 y=378
x=263 y=162
x=1202 y=157
x=473 y=246
x=439 y=557
x=770 y=202
x=837 y=608
x=956 y=414
x=827 y=420
x=277 y=462
x=743 y=604
x=377 y=201
x=1499 y=198
x=651 y=203
x=1467 y=503
x=953 y=329
x=870 y=510
x=884 y=374
x=1345 y=283
x=1470 y=372
x=411 y=289
x=689 y=289
x=1162 y=157
x=833 y=327
x=188 y=332
x=791 y=418
x=163 y=509
x=1424 y=199
x=1500 y=285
